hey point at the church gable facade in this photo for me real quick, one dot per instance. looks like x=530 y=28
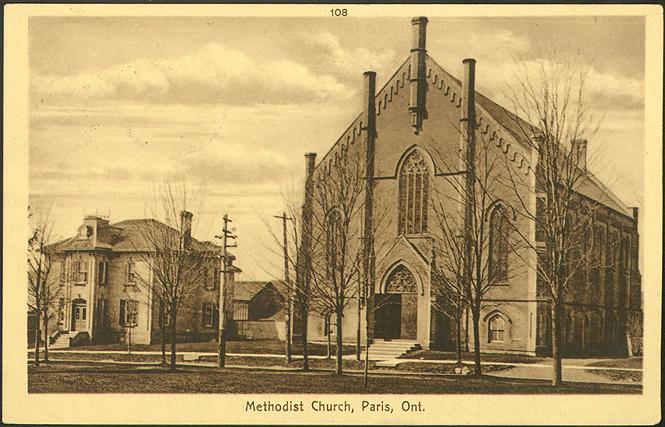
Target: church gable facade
x=415 y=156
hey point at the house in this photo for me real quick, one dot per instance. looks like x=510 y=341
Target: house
x=105 y=277
x=258 y=310
x=415 y=120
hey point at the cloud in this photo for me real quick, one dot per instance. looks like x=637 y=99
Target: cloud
x=613 y=92
x=326 y=53
x=212 y=74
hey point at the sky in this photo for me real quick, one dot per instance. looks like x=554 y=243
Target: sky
x=120 y=105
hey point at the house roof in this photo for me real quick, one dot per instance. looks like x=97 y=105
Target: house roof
x=246 y=290
x=129 y=236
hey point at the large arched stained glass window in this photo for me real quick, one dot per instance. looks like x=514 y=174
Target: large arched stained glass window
x=498 y=250
x=413 y=194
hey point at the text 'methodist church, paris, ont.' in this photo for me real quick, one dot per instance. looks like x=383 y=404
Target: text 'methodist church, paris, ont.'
x=416 y=116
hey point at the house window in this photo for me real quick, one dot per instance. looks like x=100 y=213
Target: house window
x=61 y=310
x=63 y=272
x=240 y=310
x=131 y=273
x=498 y=244
x=101 y=312
x=81 y=272
x=102 y=273
x=496 y=329
x=208 y=318
x=413 y=195
x=129 y=312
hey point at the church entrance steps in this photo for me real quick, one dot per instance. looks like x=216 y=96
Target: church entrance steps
x=61 y=341
x=390 y=349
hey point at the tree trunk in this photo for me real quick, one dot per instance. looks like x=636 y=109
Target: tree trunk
x=367 y=338
x=476 y=341
x=46 y=337
x=358 y=331
x=305 y=353
x=466 y=330
x=172 y=366
x=458 y=344
x=557 y=377
x=339 y=349
x=38 y=335
x=162 y=332
x=328 y=332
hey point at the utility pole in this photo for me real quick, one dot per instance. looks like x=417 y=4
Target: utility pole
x=287 y=282
x=221 y=356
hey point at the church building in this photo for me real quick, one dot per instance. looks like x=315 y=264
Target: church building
x=409 y=141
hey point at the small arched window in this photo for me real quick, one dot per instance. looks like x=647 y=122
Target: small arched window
x=498 y=244
x=497 y=328
x=413 y=194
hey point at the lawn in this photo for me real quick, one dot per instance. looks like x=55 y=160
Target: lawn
x=633 y=362
x=259 y=347
x=81 y=378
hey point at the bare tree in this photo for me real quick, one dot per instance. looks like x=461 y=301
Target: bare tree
x=176 y=261
x=43 y=290
x=336 y=250
x=551 y=98
x=474 y=248
x=447 y=288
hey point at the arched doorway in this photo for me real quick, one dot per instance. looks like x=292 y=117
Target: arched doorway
x=397 y=307
x=79 y=315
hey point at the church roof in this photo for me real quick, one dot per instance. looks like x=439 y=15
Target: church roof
x=500 y=124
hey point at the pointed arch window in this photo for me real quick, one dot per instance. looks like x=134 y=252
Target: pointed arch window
x=498 y=244
x=401 y=281
x=497 y=328
x=413 y=194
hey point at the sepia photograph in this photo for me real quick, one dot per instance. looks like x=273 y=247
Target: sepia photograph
x=334 y=213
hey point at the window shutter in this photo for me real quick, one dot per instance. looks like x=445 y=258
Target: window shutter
x=106 y=273
x=203 y=315
x=215 y=316
x=122 y=312
x=127 y=271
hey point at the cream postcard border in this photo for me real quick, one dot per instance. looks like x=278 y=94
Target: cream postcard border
x=20 y=407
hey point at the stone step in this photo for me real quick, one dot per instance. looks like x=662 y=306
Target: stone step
x=391 y=349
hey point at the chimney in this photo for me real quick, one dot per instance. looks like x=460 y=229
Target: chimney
x=579 y=152
x=91 y=226
x=468 y=113
x=468 y=132
x=311 y=159
x=186 y=224
x=368 y=217
x=636 y=213
x=417 y=82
